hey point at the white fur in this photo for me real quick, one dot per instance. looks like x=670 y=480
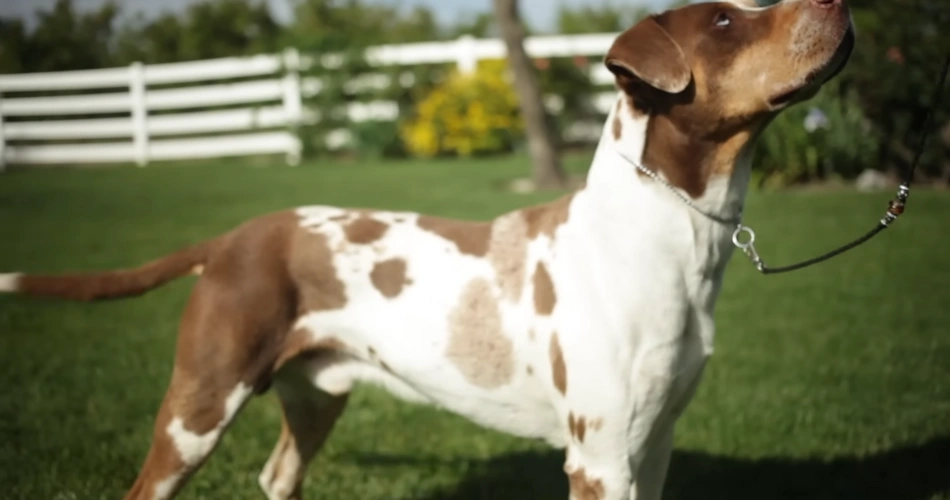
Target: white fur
x=164 y=488
x=279 y=484
x=9 y=283
x=191 y=447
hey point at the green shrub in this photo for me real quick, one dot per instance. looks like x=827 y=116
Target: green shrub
x=841 y=147
x=466 y=115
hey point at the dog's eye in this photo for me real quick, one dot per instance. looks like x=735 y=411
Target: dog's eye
x=722 y=20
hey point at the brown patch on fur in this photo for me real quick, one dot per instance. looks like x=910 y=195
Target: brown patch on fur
x=546 y=218
x=507 y=253
x=558 y=368
x=478 y=346
x=311 y=265
x=618 y=124
x=470 y=237
x=389 y=277
x=364 y=230
x=689 y=163
x=596 y=424
x=545 y=297
x=571 y=424
x=581 y=429
x=584 y=487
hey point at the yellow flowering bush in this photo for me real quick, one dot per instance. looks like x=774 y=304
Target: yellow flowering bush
x=466 y=115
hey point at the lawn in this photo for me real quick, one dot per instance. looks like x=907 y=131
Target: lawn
x=829 y=383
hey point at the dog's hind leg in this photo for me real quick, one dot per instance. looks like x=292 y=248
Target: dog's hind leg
x=309 y=417
x=230 y=337
x=187 y=429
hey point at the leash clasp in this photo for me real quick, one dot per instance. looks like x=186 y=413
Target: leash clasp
x=747 y=247
x=896 y=206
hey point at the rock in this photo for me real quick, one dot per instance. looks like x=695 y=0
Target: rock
x=872 y=180
x=522 y=186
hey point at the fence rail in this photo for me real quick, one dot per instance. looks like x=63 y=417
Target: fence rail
x=273 y=99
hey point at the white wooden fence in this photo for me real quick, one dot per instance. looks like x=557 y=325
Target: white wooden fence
x=271 y=90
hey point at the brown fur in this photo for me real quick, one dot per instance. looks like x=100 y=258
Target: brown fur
x=389 y=277
x=596 y=424
x=545 y=297
x=558 y=367
x=546 y=218
x=364 y=230
x=581 y=429
x=478 y=346
x=311 y=264
x=618 y=124
x=508 y=252
x=665 y=69
x=584 y=487
x=470 y=237
x=120 y=283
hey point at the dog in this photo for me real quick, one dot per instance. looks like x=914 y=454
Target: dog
x=585 y=322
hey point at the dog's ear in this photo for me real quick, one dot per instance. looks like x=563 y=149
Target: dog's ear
x=646 y=52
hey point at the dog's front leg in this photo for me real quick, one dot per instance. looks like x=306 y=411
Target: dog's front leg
x=621 y=426
x=611 y=420
x=621 y=453
x=684 y=375
x=597 y=466
x=651 y=475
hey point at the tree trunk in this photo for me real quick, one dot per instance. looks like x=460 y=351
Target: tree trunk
x=542 y=139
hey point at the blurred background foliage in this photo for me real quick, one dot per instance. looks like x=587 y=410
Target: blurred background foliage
x=867 y=119
x=466 y=115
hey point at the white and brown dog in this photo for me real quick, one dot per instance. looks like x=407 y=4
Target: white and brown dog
x=585 y=322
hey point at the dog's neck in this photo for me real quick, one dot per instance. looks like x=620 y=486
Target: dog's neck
x=624 y=196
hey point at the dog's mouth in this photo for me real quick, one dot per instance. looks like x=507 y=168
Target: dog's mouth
x=808 y=86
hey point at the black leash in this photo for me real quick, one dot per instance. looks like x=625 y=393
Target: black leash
x=894 y=209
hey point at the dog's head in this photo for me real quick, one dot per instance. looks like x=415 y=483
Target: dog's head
x=732 y=60
x=714 y=70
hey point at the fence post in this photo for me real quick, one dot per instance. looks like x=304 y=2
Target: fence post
x=3 y=142
x=139 y=113
x=293 y=107
x=466 y=59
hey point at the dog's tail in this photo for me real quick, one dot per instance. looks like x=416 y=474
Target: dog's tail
x=114 y=284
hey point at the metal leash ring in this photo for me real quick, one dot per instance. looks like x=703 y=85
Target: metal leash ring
x=747 y=247
x=740 y=229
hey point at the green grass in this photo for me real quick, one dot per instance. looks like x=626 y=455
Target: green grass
x=829 y=383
